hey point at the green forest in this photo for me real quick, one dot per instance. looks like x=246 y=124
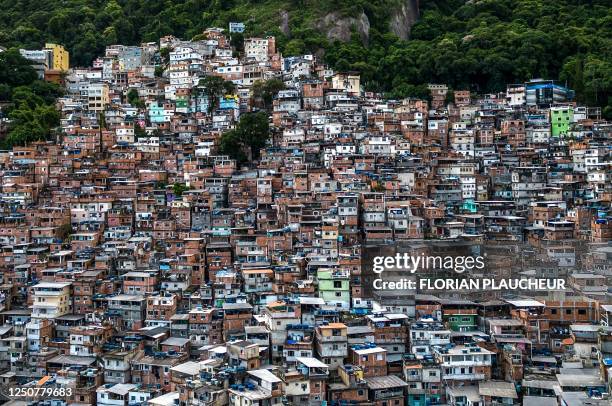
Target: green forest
x=479 y=45
x=30 y=101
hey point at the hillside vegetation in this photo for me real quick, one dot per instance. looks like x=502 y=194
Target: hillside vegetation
x=476 y=44
x=30 y=102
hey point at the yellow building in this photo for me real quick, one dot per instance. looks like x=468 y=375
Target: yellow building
x=51 y=300
x=347 y=81
x=98 y=96
x=60 y=57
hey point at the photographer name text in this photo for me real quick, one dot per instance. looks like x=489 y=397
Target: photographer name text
x=471 y=284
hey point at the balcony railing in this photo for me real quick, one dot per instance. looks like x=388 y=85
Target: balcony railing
x=464 y=377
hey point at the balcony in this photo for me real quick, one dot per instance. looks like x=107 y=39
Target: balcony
x=282 y=315
x=340 y=275
x=464 y=377
x=388 y=394
x=413 y=377
x=467 y=363
x=439 y=341
x=41 y=292
x=332 y=353
x=331 y=339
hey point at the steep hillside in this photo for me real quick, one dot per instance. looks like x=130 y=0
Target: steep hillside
x=86 y=26
x=476 y=44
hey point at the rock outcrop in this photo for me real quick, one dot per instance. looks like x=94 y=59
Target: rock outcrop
x=404 y=18
x=337 y=27
x=284 y=22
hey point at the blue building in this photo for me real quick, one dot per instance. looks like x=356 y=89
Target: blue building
x=539 y=92
x=236 y=27
x=156 y=113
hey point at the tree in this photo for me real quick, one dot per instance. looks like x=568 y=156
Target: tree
x=139 y=132
x=48 y=91
x=485 y=43
x=237 y=41
x=264 y=92
x=164 y=53
x=179 y=188
x=249 y=136
x=159 y=71
x=295 y=47
x=231 y=144
x=5 y=92
x=64 y=231
x=254 y=131
x=15 y=70
x=215 y=87
x=31 y=111
x=134 y=99
x=31 y=118
x=450 y=97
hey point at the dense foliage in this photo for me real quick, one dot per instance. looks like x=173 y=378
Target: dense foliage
x=133 y=99
x=28 y=102
x=250 y=135
x=216 y=87
x=477 y=44
x=264 y=92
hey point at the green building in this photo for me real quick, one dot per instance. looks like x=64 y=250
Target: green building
x=460 y=317
x=470 y=206
x=334 y=287
x=561 y=118
x=182 y=103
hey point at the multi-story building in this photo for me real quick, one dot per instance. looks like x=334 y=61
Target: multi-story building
x=464 y=364
x=51 y=300
x=332 y=344
x=425 y=335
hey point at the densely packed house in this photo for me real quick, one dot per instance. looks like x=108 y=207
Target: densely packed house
x=143 y=265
